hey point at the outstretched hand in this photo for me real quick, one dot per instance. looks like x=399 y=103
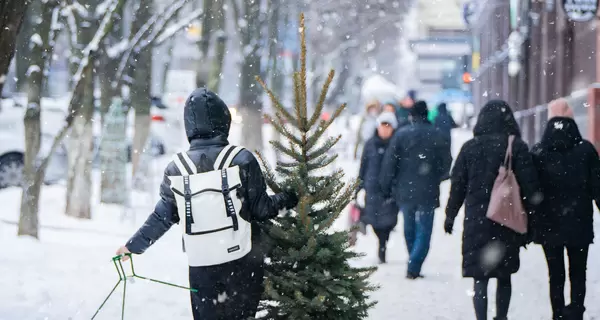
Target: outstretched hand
x=122 y=251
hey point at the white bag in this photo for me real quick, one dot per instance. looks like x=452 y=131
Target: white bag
x=213 y=231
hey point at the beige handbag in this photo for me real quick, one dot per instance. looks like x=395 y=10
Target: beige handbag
x=506 y=206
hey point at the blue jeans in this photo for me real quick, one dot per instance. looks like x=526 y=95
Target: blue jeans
x=418 y=225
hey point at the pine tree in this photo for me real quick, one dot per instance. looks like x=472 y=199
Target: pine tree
x=309 y=275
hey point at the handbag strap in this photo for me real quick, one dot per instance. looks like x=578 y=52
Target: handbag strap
x=508 y=156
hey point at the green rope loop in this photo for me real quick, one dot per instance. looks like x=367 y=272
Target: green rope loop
x=118 y=262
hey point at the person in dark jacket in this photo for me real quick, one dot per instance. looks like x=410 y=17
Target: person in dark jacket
x=569 y=172
x=207 y=123
x=379 y=211
x=444 y=121
x=412 y=170
x=490 y=250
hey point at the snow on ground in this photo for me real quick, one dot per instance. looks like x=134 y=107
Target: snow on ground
x=67 y=274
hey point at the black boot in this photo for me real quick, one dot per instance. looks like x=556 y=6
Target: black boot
x=382 y=255
x=573 y=313
x=500 y=318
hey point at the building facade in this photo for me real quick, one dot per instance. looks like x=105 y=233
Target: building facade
x=553 y=56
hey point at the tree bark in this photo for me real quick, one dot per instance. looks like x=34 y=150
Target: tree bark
x=250 y=93
x=214 y=81
x=140 y=91
x=203 y=73
x=80 y=146
x=80 y=157
x=32 y=179
x=22 y=51
x=12 y=13
x=113 y=155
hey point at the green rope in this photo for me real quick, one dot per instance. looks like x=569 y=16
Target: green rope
x=117 y=261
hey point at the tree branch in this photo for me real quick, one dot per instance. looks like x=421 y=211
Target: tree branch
x=78 y=90
x=166 y=15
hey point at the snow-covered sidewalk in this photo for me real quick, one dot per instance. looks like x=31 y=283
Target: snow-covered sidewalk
x=67 y=274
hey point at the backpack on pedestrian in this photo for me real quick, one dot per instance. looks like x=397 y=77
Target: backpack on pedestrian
x=506 y=207
x=213 y=231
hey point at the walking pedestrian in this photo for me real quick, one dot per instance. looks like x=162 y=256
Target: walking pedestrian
x=379 y=211
x=490 y=250
x=412 y=170
x=226 y=265
x=569 y=172
x=367 y=126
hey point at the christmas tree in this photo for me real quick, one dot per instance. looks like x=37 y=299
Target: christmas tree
x=309 y=275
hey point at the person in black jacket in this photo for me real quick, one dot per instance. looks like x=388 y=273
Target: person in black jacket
x=207 y=122
x=379 y=211
x=444 y=122
x=569 y=171
x=490 y=250
x=412 y=170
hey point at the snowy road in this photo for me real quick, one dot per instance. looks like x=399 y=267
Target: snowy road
x=68 y=273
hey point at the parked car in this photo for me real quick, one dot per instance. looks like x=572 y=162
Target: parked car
x=12 y=155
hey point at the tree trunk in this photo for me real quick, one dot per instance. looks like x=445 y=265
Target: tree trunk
x=167 y=65
x=80 y=156
x=214 y=81
x=11 y=18
x=203 y=76
x=113 y=155
x=22 y=51
x=250 y=93
x=140 y=92
x=276 y=74
x=80 y=146
x=32 y=178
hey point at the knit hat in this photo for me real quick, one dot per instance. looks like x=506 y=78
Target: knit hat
x=419 y=110
x=559 y=108
x=389 y=118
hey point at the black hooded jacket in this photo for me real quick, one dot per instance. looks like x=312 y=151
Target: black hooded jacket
x=472 y=179
x=569 y=171
x=207 y=122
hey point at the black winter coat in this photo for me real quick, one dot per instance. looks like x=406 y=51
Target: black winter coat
x=380 y=211
x=444 y=122
x=415 y=164
x=207 y=122
x=569 y=171
x=490 y=250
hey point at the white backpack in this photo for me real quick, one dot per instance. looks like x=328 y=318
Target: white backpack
x=213 y=231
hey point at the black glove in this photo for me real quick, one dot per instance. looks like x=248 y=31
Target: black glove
x=290 y=199
x=448 y=225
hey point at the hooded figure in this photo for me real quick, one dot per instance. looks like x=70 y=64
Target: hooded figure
x=444 y=121
x=569 y=172
x=413 y=168
x=490 y=250
x=379 y=211
x=207 y=122
x=367 y=125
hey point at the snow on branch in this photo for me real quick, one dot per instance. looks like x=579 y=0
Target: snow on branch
x=152 y=23
x=172 y=30
x=67 y=12
x=84 y=66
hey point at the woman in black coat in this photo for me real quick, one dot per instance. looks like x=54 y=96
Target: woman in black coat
x=490 y=250
x=569 y=171
x=379 y=211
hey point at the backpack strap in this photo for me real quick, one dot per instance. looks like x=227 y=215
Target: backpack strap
x=230 y=156
x=183 y=167
x=222 y=156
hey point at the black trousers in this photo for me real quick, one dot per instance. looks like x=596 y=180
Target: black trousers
x=503 y=294
x=555 y=256
x=383 y=234
x=230 y=291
